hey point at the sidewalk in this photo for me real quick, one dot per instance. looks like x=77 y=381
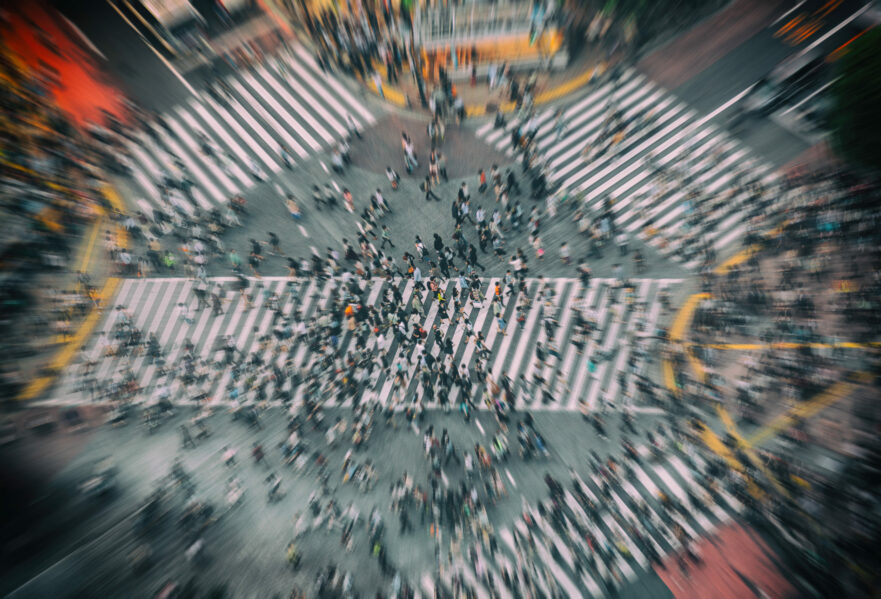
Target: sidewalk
x=480 y=100
x=58 y=351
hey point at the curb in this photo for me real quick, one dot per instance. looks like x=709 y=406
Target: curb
x=395 y=96
x=66 y=354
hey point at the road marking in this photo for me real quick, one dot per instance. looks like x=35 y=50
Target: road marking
x=787 y=13
x=790 y=345
x=832 y=395
x=511 y=478
x=811 y=95
x=480 y=428
x=164 y=60
x=647 y=410
x=83 y=37
x=725 y=106
x=683 y=318
x=835 y=29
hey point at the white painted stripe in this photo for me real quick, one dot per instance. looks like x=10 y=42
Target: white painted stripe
x=327 y=97
x=277 y=83
x=228 y=120
x=213 y=130
x=230 y=188
x=293 y=119
x=342 y=92
x=257 y=107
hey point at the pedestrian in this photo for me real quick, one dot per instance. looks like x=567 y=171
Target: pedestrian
x=417 y=304
x=433 y=170
x=426 y=187
x=564 y=253
x=393 y=177
x=560 y=123
x=472 y=257
x=216 y=305
x=185 y=312
x=377 y=81
x=456 y=213
x=186 y=438
x=274 y=244
x=409 y=153
x=512 y=183
x=348 y=200
x=287 y=158
x=254 y=263
x=466 y=211
x=481 y=176
x=380 y=201
x=386 y=237
x=621 y=240
x=292 y=207
x=539 y=248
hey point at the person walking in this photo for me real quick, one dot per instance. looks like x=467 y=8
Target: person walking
x=409 y=154
x=417 y=304
x=472 y=257
x=393 y=177
x=386 y=237
x=564 y=253
x=456 y=212
x=429 y=194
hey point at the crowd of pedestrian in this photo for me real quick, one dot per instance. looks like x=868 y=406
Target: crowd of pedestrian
x=806 y=298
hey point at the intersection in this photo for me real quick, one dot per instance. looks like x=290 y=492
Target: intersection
x=289 y=376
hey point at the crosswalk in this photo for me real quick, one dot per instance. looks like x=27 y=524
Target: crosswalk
x=659 y=135
x=577 y=372
x=226 y=144
x=604 y=537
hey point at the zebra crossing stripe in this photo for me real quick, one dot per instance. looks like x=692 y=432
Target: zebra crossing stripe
x=210 y=129
x=671 y=136
x=286 y=86
x=276 y=84
x=249 y=102
x=227 y=119
x=267 y=108
x=253 y=83
x=155 y=305
x=366 y=116
x=196 y=157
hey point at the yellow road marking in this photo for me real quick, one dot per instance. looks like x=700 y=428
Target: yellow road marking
x=696 y=365
x=397 y=97
x=90 y=245
x=669 y=377
x=571 y=85
x=77 y=339
x=150 y=27
x=731 y=427
x=714 y=444
x=827 y=8
x=683 y=318
x=66 y=353
x=806 y=32
x=805 y=410
x=791 y=345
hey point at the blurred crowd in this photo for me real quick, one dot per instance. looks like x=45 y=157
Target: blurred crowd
x=50 y=191
x=809 y=297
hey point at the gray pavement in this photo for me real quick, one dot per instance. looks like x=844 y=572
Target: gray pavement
x=290 y=101
x=245 y=547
